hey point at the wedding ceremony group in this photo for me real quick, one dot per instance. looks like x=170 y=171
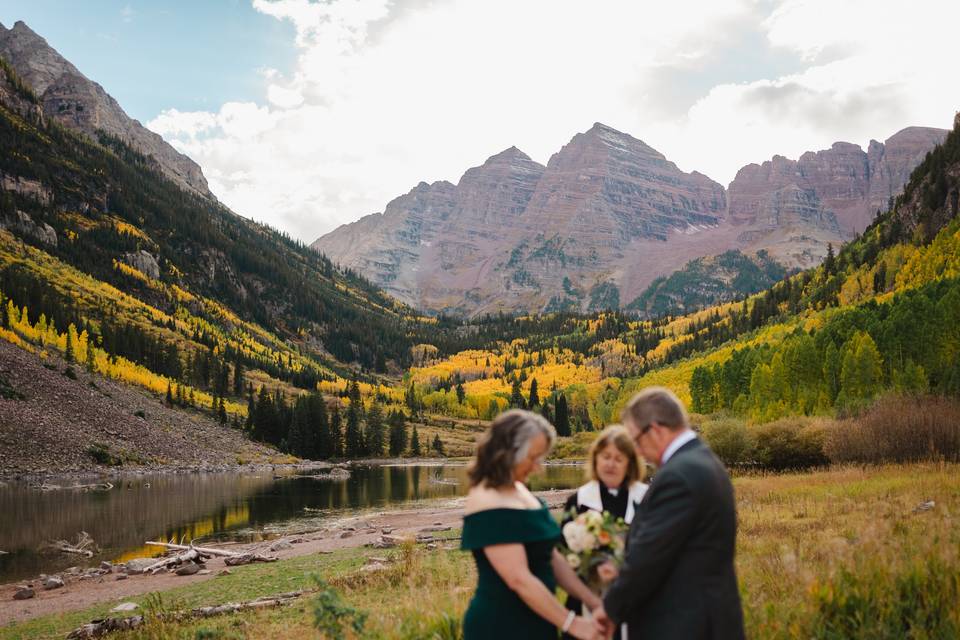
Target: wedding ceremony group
x=635 y=559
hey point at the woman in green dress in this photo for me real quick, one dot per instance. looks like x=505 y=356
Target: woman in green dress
x=513 y=536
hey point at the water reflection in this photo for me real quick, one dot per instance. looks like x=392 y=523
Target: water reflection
x=211 y=507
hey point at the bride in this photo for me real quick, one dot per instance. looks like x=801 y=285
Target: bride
x=512 y=536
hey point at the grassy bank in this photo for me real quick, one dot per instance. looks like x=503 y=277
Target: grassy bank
x=841 y=553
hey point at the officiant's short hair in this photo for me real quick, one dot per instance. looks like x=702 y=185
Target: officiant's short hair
x=656 y=404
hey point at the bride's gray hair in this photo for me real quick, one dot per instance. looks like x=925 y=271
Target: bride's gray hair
x=506 y=444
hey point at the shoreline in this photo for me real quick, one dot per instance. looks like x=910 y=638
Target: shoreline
x=351 y=530
x=120 y=473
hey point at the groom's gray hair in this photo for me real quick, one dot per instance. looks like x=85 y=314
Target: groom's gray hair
x=656 y=404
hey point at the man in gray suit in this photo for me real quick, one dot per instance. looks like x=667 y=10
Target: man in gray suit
x=678 y=580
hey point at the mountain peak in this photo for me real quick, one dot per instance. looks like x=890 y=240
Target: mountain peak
x=508 y=155
x=78 y=103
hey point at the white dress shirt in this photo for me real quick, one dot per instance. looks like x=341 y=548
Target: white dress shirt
x=686 y=436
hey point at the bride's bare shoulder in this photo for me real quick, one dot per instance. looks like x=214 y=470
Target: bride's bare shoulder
x=481 y=498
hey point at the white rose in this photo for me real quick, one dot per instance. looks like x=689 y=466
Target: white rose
x=574 y=561
x=589 y=542
x=573 y=533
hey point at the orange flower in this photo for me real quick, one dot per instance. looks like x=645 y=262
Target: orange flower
x=603 y=538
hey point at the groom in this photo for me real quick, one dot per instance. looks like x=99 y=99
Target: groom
x=678 y=579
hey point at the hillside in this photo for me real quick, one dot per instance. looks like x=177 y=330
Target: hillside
x=76 y=102
x=109 y=264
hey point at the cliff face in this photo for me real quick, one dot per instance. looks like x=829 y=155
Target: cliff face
x=842 y=186
x=607 y=216
x=73 y=100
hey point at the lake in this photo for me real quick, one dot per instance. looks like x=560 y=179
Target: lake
x=212 y=507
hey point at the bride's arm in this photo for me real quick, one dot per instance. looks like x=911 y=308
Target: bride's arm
x=571 y=582
x=510 y=562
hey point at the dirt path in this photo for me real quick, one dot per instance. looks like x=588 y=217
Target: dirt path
x=345 y=533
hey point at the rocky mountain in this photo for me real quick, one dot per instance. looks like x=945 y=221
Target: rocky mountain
x=844 y=182
x=70 y=98
x=607 y=217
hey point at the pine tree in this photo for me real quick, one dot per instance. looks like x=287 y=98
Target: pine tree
x=169 y=395
x=373 y=435
x=534 y=396
x=516 y=395
x=461 y=394
x=437 y=445
x=353 y=437
x=415 y=442
x=336 y=432
x=91 y=358
x=71 y=349
x=563 y=416
x=238 y=375
x=398 y=433
x=830 y=262
x=412 y=401
x=222 y=411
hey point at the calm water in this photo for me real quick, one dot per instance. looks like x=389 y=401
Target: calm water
x=208 y=507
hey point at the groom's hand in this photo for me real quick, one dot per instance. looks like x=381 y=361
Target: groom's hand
x=605 y=626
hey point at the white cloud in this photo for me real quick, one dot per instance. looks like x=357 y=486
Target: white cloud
x=386 y=94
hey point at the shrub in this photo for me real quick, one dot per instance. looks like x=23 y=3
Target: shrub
x=140 y=413
x=730 y=439
x=790 y=444
x=331 y=613
x=70 y=373
x=899 y=429
x=7 y=392
x=101 y=455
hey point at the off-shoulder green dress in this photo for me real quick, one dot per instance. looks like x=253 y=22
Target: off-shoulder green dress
x=496 y=612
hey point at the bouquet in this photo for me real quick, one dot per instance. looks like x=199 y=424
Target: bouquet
x=590 y=540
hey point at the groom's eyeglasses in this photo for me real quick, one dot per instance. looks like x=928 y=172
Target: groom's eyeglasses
x=643 y=431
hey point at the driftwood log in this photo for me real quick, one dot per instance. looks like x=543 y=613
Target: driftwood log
x=231 y=558
x=103 y=626
x=84 y=546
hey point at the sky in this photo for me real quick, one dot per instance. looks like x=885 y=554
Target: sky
x=307 y=114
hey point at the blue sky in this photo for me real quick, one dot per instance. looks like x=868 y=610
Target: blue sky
x=307 y=114
x=151 y=56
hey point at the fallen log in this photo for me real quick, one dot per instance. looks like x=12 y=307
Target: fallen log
x=181 y=558
x=247 y=558
x=103 y=626
x=209 y=551
x=84 y=546
x=96 y=486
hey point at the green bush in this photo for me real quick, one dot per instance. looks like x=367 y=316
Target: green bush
x=730 y=439
x=789 y=444
x=101 y=455
x=331 y=614
x=7 y=392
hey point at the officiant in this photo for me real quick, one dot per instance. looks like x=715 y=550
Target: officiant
x=615 y=484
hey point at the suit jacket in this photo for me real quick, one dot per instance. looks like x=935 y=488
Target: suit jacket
x=678 y=579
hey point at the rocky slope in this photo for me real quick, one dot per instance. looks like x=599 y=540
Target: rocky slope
x=70 y=98
x=49 y=422
x=606 y=217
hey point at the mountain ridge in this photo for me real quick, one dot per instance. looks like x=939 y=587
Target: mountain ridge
x=609 y=212
x=83 y=105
